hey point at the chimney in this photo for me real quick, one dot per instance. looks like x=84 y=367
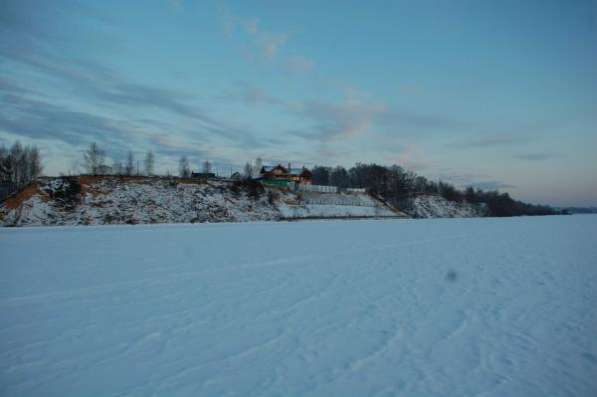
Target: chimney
x=289 y=169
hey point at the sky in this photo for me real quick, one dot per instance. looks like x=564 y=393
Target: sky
x=497 y=95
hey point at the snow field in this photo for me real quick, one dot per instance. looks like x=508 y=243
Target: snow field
x=459 y=307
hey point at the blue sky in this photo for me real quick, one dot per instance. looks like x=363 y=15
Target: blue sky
x=492 y=94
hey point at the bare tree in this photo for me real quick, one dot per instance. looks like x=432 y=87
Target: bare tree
x=94 y=159
x=117 y=167
x=206 y=167
x=257 y=167
x=4 y=167
x=248 y=171
x=19 y=165
x=130 y=164
x=149 y=163
x=184 y=169
x=15 y=162
x=34 y=166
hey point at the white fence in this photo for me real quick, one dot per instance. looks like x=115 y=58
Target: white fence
x=336 y=199
x=340 y=201
x=355 y=190
x=317 y=188
x=324 y=189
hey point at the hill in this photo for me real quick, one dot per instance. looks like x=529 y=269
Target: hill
x=90 y=200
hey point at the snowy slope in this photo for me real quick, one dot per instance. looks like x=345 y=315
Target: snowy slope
x=461 y=307
x=314 y=205
x=106 y=200
x=439 y=207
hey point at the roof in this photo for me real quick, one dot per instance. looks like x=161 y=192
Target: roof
x=268 y=168
x=292 y=171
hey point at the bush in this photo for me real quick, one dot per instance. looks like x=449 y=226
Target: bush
x=253 y=188
x=272 y=196
x=68 y=193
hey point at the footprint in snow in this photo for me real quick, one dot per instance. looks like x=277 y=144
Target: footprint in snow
x=451 y=276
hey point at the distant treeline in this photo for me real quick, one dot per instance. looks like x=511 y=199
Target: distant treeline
x=20 y=165
x=579 y=210
x=399 y=186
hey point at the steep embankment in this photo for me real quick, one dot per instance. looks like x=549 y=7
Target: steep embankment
x=438 y=207
x=113 y=200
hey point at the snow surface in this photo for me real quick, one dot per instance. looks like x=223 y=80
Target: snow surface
x=459 y=307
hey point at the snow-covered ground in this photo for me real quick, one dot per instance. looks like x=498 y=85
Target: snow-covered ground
x=438 y=207
x=450 y=307
x=333 y=205
x=111 y=200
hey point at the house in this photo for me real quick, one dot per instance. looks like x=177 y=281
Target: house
x=280 y=175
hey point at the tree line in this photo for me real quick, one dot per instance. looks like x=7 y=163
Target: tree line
x=399 y=187
x=19 y=165
x=94 y=163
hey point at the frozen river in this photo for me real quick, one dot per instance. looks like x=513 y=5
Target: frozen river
x=447 y=307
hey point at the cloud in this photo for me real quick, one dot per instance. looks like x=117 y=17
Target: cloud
x=475 y=180
x=335 y=121
x=95 y=83
x=251 y=25
x=266 y=43
x=7 y=86
x=393 y=117
x=299 y=64
x=176 y=5
x=99 y=83
x=270 y=43
x=355 y=117
x=412 y=158
x=41 y=120
x=491 y=141
x=537 y=156
x=35 y=119
x=250 y=95
x=79 y=93
x=263 y=44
